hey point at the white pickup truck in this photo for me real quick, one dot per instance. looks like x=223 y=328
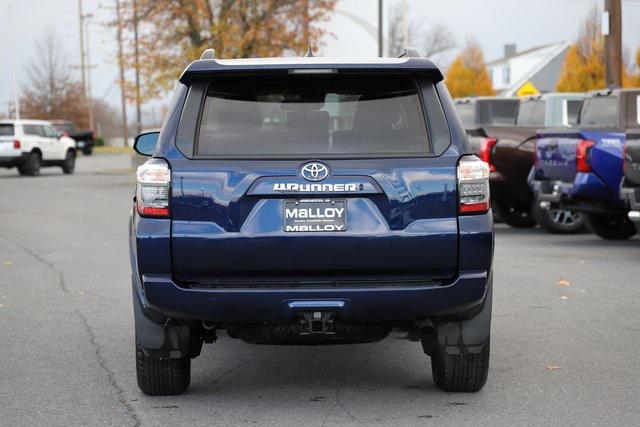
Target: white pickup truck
x=30 y=144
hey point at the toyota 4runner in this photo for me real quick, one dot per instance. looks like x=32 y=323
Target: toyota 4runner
x=311 y=201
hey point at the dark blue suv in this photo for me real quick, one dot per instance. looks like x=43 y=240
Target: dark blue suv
x=311 y=201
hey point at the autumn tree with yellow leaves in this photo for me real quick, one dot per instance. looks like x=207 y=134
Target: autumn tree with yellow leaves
x=583 y=67
x=172 y=33
x=468 y=74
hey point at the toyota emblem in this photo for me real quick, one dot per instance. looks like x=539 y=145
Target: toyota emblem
x=314 y=171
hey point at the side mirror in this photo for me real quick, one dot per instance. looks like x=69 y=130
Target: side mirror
x=145 y=143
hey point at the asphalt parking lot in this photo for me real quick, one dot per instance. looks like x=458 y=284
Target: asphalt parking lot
x=565 y=337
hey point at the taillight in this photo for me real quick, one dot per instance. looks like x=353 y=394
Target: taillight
x=486 y=149
x=473 y=186
x=583 y=155
x=16 y=144
x=153 y=189
x=65 y=133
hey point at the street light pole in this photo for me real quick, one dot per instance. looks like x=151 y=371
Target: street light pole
x=123 y=98
x=137 y=66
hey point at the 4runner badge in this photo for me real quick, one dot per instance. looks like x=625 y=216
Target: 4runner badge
x=314 y=171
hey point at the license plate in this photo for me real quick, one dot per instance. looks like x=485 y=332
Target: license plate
x=315 y=216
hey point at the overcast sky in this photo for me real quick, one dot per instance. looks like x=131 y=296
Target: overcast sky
x=492 y=23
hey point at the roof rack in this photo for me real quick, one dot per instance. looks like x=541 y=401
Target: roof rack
x=309 y=53
x=409 y=52
x=208 y=54
x=602 y=92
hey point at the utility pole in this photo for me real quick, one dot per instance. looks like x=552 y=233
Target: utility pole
x=612 y=30
x=123 y=99
x=380 y=30
x=137 y=66
x=82 y=63
x=89 y=66
x=16 y=97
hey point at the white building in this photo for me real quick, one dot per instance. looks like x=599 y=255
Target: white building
x=530 y=72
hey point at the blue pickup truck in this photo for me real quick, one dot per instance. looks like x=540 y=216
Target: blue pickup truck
x=582 y=168
x=311 y=201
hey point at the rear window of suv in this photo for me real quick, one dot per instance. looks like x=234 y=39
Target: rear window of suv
x=6 y=129
x=312 y=116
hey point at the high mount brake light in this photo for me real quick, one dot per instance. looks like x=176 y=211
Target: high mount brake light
x=486 y=149
x=153 y=189
x=473 y=186
x=583 y=155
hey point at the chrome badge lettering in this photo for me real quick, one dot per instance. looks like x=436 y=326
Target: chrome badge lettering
x=292 y=187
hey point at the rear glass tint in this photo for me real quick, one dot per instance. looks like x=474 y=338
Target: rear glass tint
x=573 y=111
x=531 y=113
x=6 y=130
x=498 y=112
x=601 y=111
x=312 y=115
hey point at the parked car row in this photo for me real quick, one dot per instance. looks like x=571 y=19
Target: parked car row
x=561 y=160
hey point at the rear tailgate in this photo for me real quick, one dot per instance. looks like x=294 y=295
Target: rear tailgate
x=632 y=159
x=315 y=179
x=7 y=148
x=229 y=221
x=556 y=155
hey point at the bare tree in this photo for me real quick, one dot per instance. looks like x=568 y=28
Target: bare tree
x=50 y=92
x=430 y=42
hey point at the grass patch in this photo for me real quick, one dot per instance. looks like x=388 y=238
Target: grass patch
x=113 y=150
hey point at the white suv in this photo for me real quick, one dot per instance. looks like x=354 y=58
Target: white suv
x=30 y=144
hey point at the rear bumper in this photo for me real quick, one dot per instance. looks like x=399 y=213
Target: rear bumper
x=586 y=194
x=160 y=294
x=12 y=161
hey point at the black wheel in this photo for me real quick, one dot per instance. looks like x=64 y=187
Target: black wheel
x=87 y=150
x=611 y=227
x=513 y=216
x=69 y=164
x=460 y=372
x=31 y=166
x=162 y=377
x=558 y=221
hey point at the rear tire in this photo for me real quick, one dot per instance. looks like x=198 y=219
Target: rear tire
x=461 y=372
x=162 y=377
x=513 y=216
x=558 y=221
x=87 y=150
x=611 y=227
x=31 y=166
x=69 y=164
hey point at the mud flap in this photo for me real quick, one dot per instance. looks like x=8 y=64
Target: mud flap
x=462 y=336
x=163 y=341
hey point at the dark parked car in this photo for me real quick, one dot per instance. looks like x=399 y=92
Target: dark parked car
x=85 y=140
x=311 y=201
x=503 y=133
x=630 y=188
x=581 y=169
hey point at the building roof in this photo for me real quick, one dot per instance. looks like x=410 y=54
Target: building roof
x=519 y=54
